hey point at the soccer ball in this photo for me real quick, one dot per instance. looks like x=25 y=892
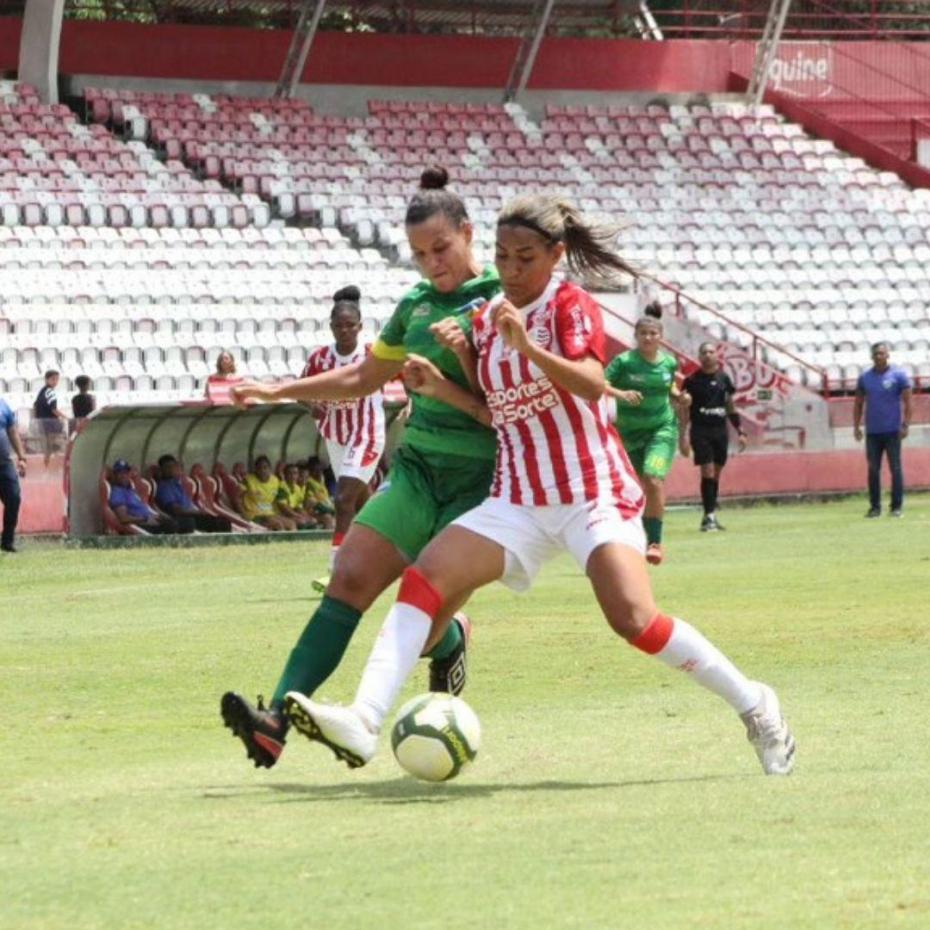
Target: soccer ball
x=435 y=736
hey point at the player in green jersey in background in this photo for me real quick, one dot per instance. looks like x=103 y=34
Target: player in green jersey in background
x=643 y=383
x=442 y=469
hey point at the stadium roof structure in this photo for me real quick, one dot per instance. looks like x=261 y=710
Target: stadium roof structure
x=694 y=19
x=608 y=18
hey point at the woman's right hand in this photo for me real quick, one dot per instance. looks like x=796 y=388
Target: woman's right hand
x=251 y=392
x=421 y=375
x=450 y=335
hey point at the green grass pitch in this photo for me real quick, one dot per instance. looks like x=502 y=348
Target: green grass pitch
x=609 y=791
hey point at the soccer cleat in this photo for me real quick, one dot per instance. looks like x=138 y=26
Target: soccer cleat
x=320 y=584
x=896 y=513
x=449 y=674
x=873 y=512
x=654 y=554
x=708 y=525
x=769 y=734
x=717 y=524
x=261 y=729
x=9 y=547
x=339 y=728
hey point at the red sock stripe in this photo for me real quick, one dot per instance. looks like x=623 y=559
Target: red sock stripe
x=655 y=637
x=416 y=591
x=337 y=539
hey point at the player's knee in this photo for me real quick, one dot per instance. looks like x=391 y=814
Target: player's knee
x=350 y=578
x=630 y=620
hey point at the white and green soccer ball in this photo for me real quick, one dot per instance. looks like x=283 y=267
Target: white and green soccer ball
x=435 y=736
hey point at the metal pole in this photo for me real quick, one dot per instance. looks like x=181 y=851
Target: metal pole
x=768 y=48
x=296 y=59
x=529 y=58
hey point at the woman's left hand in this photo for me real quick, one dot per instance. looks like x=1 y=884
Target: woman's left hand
x=510 y=324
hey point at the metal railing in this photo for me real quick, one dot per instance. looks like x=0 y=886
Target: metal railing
x=760 y=349
x=808 y=19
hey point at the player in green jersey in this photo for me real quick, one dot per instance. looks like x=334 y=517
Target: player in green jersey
x=443 y=468
x=643 y=383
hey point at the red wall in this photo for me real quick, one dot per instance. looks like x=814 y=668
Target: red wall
x=211 y=53
x=229 y=53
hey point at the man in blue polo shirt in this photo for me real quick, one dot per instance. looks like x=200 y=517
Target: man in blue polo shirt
x=883 y=390
x=11 y=448
x=130 y=509
x=173 y=499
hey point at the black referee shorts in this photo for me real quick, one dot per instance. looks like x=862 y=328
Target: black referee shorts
x=710 y=446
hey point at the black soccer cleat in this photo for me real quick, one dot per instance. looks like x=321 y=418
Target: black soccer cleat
x=262 y=730
x=449 y=674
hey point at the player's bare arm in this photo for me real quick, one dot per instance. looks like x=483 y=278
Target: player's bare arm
x=345 y=383
x=423 y=377
x=450 y=334
x=630 y=398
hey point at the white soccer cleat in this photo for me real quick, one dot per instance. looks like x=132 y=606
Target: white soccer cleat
x=769 y=734
x=339 y=728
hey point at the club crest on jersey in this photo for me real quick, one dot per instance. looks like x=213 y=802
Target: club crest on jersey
x=421 y=310
x=541 y=335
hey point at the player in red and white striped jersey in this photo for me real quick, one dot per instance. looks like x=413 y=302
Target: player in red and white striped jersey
x=353 y=429
x=554 y=447
x=563 y=483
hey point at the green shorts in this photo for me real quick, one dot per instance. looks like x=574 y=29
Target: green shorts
x=652 y=453
x=423 y=493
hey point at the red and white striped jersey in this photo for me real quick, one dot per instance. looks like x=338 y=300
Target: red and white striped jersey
x=348 y=422
x=553 y=447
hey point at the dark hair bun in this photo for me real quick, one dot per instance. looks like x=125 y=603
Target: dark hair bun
x=349 y=293
x=434 y=178
x=654 y=310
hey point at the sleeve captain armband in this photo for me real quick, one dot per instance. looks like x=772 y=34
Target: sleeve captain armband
x=388 y=353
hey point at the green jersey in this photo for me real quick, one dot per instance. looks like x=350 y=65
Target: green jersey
x=629 y=371
x=434 y=426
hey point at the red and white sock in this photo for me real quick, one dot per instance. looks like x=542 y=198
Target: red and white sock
x=397 y=648
x=681 y=646
x=334 y=549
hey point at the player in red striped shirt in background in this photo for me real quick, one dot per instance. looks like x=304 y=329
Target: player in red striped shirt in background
x=353 y=429
x=563 y=483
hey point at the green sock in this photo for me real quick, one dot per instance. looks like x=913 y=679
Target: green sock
x=653 y=528
x=320 y=649
x=448 y=644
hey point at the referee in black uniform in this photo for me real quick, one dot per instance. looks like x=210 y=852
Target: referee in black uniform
x=711 y=392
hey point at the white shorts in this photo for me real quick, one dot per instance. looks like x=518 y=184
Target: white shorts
x=348 y=461
x=533 y=535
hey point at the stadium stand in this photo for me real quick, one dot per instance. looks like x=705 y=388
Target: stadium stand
x=843 y=246
x=116 y=234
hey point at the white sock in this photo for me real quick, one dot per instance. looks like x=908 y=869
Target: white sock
x=393 y=657
x=689 y=651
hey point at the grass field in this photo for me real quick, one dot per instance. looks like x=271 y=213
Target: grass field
x=609 y=791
